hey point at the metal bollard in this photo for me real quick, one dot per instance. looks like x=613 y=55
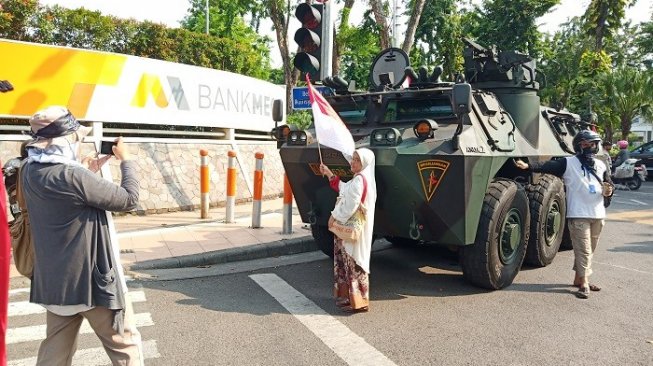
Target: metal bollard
x=204 y=184
x=287 y=206
x=231 y=187
x=258 y=191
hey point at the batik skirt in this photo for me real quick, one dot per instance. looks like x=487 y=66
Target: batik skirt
x=351 y=285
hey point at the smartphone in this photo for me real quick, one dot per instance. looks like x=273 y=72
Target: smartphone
x=106 y=147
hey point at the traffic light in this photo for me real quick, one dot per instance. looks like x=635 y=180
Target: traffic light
x=311 y=40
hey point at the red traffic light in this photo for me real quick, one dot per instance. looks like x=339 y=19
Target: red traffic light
x=308 y=15
x=308 y=40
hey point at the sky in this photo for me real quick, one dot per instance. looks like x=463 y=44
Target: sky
x=170 y=12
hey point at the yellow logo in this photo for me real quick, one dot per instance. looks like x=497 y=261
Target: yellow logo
x=150 y=86
x=432 y=172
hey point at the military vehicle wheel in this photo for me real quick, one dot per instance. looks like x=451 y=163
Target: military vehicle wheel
x=548 y=209
x=495 y=258
x=323 y=238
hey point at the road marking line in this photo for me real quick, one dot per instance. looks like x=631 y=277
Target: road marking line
x=93 y=356
x=21 y=308
x=37 y=332
x=350 y=347
x=640 y=202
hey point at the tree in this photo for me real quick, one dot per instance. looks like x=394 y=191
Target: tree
x=279 y=12
x=341 y=35
x=644 y=42
x=380 y=12
x=510 y=24
x=560 y=62
x=15 y=16
x=417 y=7
x=603 y=18
x=438 y=37
x=628 y=93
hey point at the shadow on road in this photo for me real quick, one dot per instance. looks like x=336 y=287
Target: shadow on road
x=396 y=274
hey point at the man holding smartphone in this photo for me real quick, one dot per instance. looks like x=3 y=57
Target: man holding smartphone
x=67 y=206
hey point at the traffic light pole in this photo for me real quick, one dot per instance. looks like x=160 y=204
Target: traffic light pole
x=326 y=56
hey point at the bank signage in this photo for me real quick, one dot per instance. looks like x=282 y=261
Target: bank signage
x=110 y=87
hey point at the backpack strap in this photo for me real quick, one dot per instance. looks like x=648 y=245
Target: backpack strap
x=364 y=187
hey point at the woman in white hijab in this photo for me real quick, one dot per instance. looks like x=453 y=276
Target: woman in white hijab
x=352 y=259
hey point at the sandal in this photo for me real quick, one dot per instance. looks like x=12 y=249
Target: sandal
x=341 y=302
x=583 y=293
x=349 y=309
x=594 y=288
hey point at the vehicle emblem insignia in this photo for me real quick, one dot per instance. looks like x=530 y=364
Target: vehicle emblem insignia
x=432 y=172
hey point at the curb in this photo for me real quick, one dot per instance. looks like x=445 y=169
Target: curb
x=249 y=252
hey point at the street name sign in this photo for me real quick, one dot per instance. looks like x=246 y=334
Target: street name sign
x=300 y=100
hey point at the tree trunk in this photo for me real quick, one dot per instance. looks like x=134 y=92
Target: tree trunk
x=338 y=45
x=412 y=25
x=280 y=20
x=600 y=27
x=626 y=124
x=380 y=17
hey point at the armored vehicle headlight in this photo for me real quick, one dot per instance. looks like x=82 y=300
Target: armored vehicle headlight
x=299 y=138
x=385 y=137
x=424 y=129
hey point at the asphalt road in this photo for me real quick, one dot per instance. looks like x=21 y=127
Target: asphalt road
x=422 y=310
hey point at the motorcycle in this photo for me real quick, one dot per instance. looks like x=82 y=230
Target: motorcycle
x=629 y=174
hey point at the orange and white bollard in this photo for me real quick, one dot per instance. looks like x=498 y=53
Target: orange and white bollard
x=258 y=191
x=287 y=206
x=231 y=187
x=204 y=184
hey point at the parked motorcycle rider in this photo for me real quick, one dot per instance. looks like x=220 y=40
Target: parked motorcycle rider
x=623 y=155
x=604 y=154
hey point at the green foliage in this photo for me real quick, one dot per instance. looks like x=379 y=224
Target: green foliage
x=603 y=18
x=15 y=16
x=593 y=63
x=25 y=20
x=628 y=92
x=437 y=37
x=560 y=63
x=644 y=42
x=510 y=24
x=301 y=119
x=361 y=45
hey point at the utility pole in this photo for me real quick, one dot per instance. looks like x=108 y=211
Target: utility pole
x=207 y=16
x=327 y=42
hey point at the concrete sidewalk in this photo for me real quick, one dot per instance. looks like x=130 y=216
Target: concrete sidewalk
x=182 y=239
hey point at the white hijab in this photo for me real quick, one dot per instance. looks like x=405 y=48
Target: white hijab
x=362 y=250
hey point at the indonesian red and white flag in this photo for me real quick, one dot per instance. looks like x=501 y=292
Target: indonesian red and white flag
x=329 y=128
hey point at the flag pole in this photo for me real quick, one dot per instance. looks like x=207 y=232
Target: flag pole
x=319 y=150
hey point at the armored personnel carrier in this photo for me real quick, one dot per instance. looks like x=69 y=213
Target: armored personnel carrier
x=444 y=161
